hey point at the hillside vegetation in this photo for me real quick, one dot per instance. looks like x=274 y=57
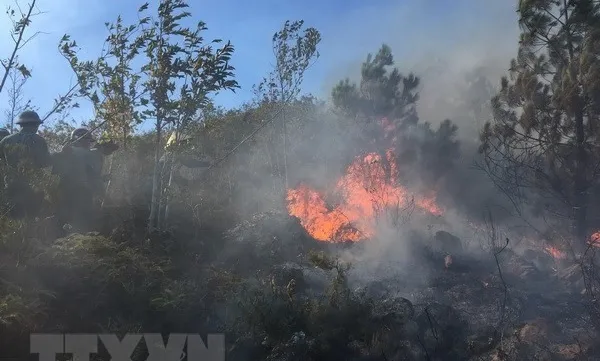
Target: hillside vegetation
x=324 y=229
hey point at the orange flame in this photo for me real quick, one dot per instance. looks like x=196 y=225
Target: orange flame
x=368 y=187
x=595 y=239
x=555 y=252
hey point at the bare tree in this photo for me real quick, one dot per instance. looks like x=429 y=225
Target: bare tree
x=16 y=73
x=21 y=20
x=16 y=97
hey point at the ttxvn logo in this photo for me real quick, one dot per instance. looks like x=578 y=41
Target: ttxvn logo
x=178 y=347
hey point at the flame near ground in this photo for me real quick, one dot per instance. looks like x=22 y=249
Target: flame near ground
x=369 y=186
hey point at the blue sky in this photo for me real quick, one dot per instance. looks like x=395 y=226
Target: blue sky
x=416 y=29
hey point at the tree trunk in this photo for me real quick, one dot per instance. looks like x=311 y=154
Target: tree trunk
x=108 y=183
x=283 y=103
x=25 y=21
x=580 y=183
x=168 y=204
x=124 y=139
x=285 y=163
x=170 y=159
x=153 y=219
x=163 y=216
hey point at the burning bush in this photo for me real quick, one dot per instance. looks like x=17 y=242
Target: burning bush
x=369 y=188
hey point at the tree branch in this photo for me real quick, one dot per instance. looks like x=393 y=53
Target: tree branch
x=11 y=60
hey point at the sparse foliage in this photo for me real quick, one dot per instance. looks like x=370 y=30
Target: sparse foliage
x=111 y=82
x=295 y=50
x=16 y=97
x=181 y=71
x=21 y=21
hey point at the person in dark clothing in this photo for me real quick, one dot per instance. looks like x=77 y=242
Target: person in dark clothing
x=79 y=167
x=22 y=154
x=4 y=133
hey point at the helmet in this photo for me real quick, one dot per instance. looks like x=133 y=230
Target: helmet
x=81 y=134
x=29 y=117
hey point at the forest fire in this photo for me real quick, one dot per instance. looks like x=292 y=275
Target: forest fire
x=595 y=239
x=369 y=187
x=555 y=252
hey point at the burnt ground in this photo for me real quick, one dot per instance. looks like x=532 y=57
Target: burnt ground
x=280 y=295
x=518 y=308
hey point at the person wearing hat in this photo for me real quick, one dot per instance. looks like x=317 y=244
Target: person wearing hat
x=79 y=167
x=20 y=152
x=35 y=148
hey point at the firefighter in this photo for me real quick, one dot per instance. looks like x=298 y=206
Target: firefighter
x=26 y=145
x=23 y=153
x=79 y=167
x=4 y=133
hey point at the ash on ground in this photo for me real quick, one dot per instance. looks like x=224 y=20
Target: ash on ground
x=444 y=302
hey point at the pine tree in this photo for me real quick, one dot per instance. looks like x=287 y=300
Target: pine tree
x=385 y=94
x=541 y=147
